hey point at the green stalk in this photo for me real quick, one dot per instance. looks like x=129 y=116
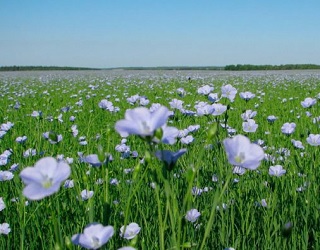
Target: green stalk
x=216 y=200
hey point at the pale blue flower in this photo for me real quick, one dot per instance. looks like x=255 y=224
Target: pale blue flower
x=133 y=99
x=288 y=128
x=308 y=102
x=36 y=114
x=127 y=248
x=59 y=118
x=106 y=105
x=277 y=170
x=187 y=140
x=69 y=184
x=2 y=204
x=170 y=158
x=213 y=97
x=238 y=170
x=130 y=231
x=249 y=126
x=169 y=135
x=6 y=126
x=93 y=160
x=297 y=144
x=114 y=182
x=247 y=95
x=192 y=215
x=21 y=139
x=229 y=92
x=79 y=103
x=86 y=194
x=94 y=236
x=176 y=104
x=143 y=101
x=74 y=130
x=241 y=152
x=181 y=92
x=196 y=191
x=218 y=109
x=4 y=159
x=2 y=133
x=205 y=110
x=154 y=107
x=271 y=118
x=6 y=175
x=264 y=203
x=82 y=141
x=44 y=178
x=193 y=128
x=140 y=121
x=121 y=148
x=248 y=114
x=205 y=90
x=5 y=228
x=314 y=139
x=14 y=167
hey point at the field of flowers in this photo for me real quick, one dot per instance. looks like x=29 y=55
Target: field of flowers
x=165 y=160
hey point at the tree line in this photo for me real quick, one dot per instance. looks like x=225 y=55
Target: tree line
x=240 y=67
x=31 y=68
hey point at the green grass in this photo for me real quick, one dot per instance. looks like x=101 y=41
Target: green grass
x=50 y=222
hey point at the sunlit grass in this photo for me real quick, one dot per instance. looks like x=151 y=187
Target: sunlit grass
x=231 y=207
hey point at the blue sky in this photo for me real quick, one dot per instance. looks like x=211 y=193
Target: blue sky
x=122 y=33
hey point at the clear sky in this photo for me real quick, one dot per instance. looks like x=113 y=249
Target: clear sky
x=122 y=33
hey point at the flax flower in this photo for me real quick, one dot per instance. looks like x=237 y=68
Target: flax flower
x=94 y=236
x=44 y=178
x=241 y=152
x=140 y=121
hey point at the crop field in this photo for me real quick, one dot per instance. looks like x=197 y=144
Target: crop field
x=160 y=160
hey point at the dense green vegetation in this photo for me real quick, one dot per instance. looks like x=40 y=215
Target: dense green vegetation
x=31 y=68
x=253 y=210
x=240 y=67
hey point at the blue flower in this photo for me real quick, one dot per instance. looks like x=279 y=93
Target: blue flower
x=170 y=158
x=140 y=121
x=242 y=153
x=44 y=178
x=94 y=236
